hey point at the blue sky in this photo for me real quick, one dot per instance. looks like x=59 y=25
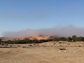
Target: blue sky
x=16 y=15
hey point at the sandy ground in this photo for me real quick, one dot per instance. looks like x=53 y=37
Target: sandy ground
x=44 y=53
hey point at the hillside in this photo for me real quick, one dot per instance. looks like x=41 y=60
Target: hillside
x=37 y=37
x=41 y=37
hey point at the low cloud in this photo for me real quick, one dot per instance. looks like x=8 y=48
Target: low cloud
x=59 y=31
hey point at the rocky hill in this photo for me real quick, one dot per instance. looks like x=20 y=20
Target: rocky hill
x=37 y=37
x=41 y=37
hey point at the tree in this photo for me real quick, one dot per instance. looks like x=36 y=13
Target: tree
x=79 y=38
x=0 y=40
x=82 y=38
x=26 y=40
x=55 y=39
x=62 y=39
x=74 y=38
x=69 y=39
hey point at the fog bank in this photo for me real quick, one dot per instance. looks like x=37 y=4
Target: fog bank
x=59 y=31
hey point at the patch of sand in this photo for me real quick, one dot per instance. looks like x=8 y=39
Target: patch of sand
x=72 y=54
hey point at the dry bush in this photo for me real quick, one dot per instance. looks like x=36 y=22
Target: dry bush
x=62 y=48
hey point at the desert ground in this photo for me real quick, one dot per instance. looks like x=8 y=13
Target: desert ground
x=48 y=52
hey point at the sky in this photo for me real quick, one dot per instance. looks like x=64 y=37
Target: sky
x=18 y=15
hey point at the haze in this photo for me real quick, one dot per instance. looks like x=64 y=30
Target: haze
x=49 y=17
x=59 y=31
